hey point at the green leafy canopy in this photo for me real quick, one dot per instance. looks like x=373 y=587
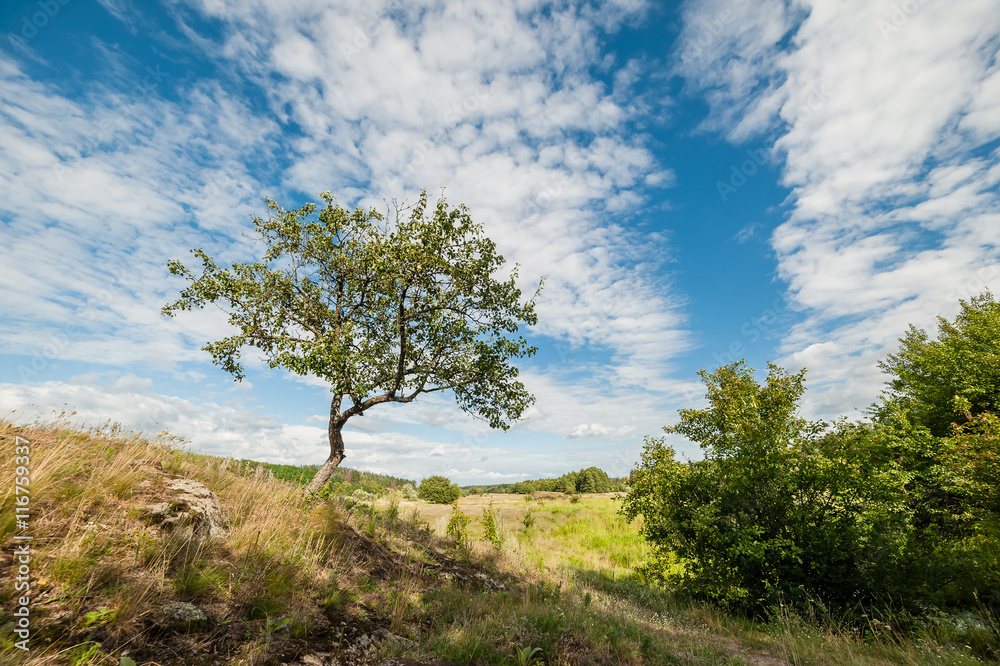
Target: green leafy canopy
x=927 y=375
x=382 y=310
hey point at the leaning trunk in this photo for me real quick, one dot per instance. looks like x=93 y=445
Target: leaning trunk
x=336 y=456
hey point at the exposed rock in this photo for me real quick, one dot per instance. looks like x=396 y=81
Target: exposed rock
x=387 y=635
x=181 y=615
x=189 y=505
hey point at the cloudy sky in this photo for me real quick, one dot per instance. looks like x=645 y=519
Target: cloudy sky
x=697 y=182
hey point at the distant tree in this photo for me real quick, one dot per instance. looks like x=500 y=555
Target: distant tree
x=594 y=480
x=383 y=312
x=927 y=375
x=438 y=490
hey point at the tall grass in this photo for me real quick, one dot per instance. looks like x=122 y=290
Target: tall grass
x=93 y=548
x=288 y=569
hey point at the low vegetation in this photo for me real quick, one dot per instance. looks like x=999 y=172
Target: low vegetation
x=586 y=481
x=790 y=543
x=290 y=577
x=896 y=519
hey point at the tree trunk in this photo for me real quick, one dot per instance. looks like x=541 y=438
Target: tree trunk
x=336 y=456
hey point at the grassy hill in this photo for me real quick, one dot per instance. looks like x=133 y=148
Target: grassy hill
x=144 y=553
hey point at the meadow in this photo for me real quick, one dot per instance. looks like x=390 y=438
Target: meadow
x=292 y=580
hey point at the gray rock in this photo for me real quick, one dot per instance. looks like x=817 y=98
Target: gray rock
x=387 y=635
x=181 y=615
x=311 y=660
x=190 y=506
x=317 y=659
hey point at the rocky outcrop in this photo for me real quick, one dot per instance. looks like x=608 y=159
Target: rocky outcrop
x=188 y=505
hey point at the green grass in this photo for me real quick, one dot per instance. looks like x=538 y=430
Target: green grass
x=567 y=584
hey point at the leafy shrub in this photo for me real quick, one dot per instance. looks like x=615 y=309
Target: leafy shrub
x=491 y=527
x=902 y=510
x=964 y=361
x=458 y=525
x=439 y=490
x=779 y=507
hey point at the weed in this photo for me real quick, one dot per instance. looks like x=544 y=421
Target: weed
x=526 y=656
x=88 y=654
x=491 y=528
x=98 y=617
x=198 y=579
x=458 y=526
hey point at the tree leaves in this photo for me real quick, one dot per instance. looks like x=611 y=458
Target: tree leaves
x=383 y=311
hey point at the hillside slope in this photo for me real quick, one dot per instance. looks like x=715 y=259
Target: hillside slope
x=143 y=553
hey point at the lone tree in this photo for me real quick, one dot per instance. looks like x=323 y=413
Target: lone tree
x=382 y=310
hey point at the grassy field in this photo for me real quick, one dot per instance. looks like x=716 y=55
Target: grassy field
x=296 y=581
x=557 y=535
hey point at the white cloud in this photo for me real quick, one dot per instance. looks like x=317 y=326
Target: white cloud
x=484 y=100
x=598 y=430
x=235 y=429
x=880 y=112
x=98 y=198
x=496 y=102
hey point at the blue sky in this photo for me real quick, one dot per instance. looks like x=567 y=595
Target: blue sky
x=699 y=181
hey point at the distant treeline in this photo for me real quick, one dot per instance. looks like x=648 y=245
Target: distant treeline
x=343 y=482
x=589 y=480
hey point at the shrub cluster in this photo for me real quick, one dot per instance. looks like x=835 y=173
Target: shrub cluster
x=589 y=480
x=901 y=509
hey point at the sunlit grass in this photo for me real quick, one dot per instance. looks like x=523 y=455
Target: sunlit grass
x=570 y=582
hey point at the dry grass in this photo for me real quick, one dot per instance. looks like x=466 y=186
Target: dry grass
x=95 y=554
x=290 y=575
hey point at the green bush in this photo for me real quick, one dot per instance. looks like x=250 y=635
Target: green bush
x=439 y=490
x=458 y=526
x=743 y=519
x=899 y=511
x=491 y=526
x=926 y=374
